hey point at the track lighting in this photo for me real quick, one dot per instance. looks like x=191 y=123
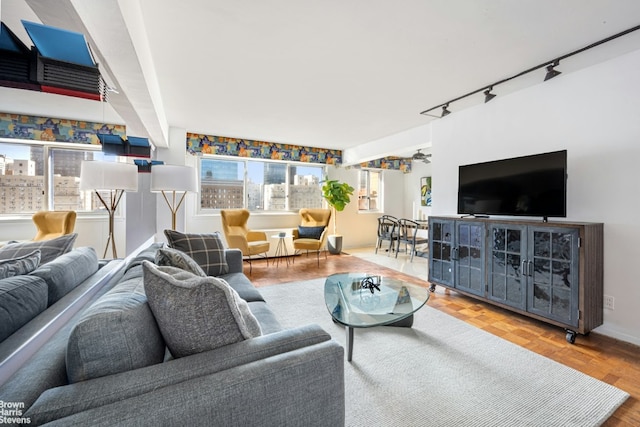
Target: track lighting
x=549 y=65
x=488 y=96
x=551 y=73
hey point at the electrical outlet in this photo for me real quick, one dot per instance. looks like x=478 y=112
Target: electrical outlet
x=609 y=302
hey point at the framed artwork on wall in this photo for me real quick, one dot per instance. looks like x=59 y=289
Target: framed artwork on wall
x=425 y=191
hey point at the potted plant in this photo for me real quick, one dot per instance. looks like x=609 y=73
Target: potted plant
x=337 y=194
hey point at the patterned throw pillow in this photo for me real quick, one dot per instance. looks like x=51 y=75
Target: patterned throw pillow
x=19 y=266
x=174 y=258
x=49 y=249
x=310 y=232
x=206 y=249
x=194 y=313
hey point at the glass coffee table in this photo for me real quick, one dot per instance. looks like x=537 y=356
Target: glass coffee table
x=360 y=300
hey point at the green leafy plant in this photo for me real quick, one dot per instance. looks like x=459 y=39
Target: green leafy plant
x=337 y=194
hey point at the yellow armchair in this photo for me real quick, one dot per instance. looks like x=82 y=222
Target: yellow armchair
x=238 y=235
x=317 y=220
x=52 y=224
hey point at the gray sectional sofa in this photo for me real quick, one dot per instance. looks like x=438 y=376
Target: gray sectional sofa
x=109 y=365
x=36 y=275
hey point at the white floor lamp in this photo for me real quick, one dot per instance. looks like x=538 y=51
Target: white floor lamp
x=114 y=177
x=177 y=180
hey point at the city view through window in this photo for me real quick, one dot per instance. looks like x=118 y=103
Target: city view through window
x=224 y=184
x=24 y=186
x=259 y=185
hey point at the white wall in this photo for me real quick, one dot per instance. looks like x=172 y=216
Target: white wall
x=412 y=202
x=34 y=103
x=593 y=114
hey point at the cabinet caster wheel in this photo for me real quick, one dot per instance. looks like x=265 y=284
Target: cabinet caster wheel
x=432 y=288
x=571 y=337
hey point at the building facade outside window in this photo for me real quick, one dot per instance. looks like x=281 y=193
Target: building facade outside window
x=24 y=186
x=369 y=186
x=259 y=185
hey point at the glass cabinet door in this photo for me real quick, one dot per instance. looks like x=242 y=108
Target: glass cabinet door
x=469 y=257
x=440 y=250
x=507 y=252
x=552 y=272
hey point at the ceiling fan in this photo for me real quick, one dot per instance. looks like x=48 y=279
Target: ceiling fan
x=420 y=156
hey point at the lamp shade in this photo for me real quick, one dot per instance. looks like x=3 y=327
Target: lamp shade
x=173 y=178
x=95 y=175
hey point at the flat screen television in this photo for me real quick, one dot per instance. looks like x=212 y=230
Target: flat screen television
x=533 y=185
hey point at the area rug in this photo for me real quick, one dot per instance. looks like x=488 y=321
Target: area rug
x=445 y=372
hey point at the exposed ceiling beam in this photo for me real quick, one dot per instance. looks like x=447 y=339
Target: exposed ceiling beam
x=401 y=144
x=116 y=48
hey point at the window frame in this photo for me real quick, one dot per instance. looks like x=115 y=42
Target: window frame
x=48 y=199
x=245 y=160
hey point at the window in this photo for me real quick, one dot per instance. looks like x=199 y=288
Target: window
x=259 y=185
x=221 y=184
x=369 y=190
x=25 y=188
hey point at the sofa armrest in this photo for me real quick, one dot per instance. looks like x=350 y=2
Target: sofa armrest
x=301 y=387
x=91 y=394
x=234 y=260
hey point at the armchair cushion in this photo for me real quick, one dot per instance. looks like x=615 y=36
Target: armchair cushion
x=49 y=249
x=24 y=264
x=310 y=232
x=196 y=314
x=206 y=249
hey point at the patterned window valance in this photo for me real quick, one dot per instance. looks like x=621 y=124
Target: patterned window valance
x=20 y=126
x=391 y=163
x=208 y=144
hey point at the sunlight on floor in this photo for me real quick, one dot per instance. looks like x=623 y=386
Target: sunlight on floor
x=418 y=268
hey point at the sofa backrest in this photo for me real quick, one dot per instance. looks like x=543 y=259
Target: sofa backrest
x=118 y=333
x=67 y=271
x=21 y=299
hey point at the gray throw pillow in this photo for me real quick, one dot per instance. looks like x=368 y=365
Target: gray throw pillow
x=49 y=249
x=170 y=257
x=194 y=313
x=206 y=249
x=18 y=266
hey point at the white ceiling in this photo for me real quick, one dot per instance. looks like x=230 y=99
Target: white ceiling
x=332 y=73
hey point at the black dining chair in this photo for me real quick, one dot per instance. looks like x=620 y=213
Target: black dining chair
x=408 y=235
x=387 y=230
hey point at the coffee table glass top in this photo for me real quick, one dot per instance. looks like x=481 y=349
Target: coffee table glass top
x=391 y=300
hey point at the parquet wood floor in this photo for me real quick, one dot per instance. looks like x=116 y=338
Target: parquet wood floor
x=606 y=359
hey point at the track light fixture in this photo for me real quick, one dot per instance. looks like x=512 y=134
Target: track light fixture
x=551 y=73
x=488 y=96
x=549 y=65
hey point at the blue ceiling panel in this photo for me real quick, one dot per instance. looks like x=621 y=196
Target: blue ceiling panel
x=59 y=44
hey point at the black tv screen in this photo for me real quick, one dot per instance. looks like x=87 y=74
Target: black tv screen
x=533 y=185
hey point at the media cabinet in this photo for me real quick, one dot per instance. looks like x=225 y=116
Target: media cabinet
x=550 y=271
